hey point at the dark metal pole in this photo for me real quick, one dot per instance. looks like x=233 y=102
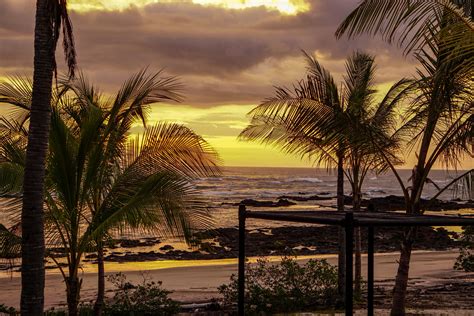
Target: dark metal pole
x=370 y=271
x=241 y=280
x=349 y=228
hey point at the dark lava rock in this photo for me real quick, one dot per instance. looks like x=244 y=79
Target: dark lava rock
x=305 y=198
x=255 y=203
x=166 y=248
x=324 y=239
x=396 y=203
x=132 y=243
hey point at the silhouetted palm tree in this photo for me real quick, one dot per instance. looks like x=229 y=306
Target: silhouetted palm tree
x=102 y=179
x=51 y=15
x=332 y=126
x=440 y=121
x=411 y=23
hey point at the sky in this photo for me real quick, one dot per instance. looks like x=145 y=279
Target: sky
x=228 y=54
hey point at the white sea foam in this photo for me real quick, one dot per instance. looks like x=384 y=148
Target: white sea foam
x=304 y=179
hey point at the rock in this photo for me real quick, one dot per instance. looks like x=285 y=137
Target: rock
x=395 y=203
x=132 y=243
x=166 y=248
x=305 y=198
x=255 y=203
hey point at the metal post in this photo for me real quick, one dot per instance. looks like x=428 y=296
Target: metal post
x=241 y=280
x=370 y=271
x=349 y=227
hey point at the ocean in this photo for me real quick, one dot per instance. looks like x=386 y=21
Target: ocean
x=239 y=183
x=268 y=184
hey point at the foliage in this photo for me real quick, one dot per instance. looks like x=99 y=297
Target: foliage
x=148 y=298
x=465 y=260
x=439 y=121
x=145 y=299
x=8 y=310
x=83 y=310
x=415 y=24
x=284 y=287
x=101 y=178
x=316 y=119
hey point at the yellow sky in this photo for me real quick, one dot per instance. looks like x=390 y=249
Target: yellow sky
x=220 y=126
x=284 y=6
x=106 y=59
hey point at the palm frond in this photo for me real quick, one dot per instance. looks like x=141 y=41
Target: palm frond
x=141 y=90
x=163 y=202
x=409 y=22
x=172 y=147
x=10 y=242
x=60 y=20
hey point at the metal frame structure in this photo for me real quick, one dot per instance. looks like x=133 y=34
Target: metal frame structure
x=349 y=220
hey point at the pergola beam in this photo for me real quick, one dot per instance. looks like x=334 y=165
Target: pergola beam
x=348 y=220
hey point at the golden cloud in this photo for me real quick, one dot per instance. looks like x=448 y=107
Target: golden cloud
x=290 y=7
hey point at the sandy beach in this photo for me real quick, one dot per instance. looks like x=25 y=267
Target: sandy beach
x=195 y=281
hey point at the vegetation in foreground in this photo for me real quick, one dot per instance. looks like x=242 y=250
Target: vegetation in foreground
x=465 y=260
x=441 y=33
x=285 y=287
x=101 y=179
x=317 y=120
x=145 y=299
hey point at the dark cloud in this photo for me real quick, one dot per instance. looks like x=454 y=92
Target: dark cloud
x=222 y=55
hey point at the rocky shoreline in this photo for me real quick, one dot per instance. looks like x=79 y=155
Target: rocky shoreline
x=295 y=241
x=388 y=203
x=222 y=243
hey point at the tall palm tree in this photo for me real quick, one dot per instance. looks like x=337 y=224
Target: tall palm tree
x=100 y=179
x=439 y=122
x=51 y=15
x=318 y=120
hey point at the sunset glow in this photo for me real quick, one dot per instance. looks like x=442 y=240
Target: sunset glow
x=284 y=6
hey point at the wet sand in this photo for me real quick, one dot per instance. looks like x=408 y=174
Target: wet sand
x=199 y=281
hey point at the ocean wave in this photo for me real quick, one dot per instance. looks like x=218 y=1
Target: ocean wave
x=304 y=179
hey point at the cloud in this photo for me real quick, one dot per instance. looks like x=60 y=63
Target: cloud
x=224 y=56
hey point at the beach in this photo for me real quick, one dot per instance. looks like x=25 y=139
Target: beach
x=193 y=274
x=197 y=281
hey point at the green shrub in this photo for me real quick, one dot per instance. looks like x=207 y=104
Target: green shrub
x=285 y=287
x=465 y=260
x=84 y=310
x=8 y=310
x=148 y=298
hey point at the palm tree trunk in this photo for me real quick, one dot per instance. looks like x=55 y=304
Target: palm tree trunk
x=99 y=303
x=33 y=246
x=401 y=281
x=73 y=287
x=341 y=264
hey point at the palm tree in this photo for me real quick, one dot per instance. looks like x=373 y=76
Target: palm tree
x=317 y=120
x=410 y=23
x=100 y=179
x=50 y=17
x=439 y=122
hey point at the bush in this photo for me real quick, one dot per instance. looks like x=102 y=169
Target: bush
x=7 y=310
x=285 y=287
x=465 y=260
x=148 y=298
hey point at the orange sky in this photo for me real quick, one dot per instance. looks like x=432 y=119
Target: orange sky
x=229 y=54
